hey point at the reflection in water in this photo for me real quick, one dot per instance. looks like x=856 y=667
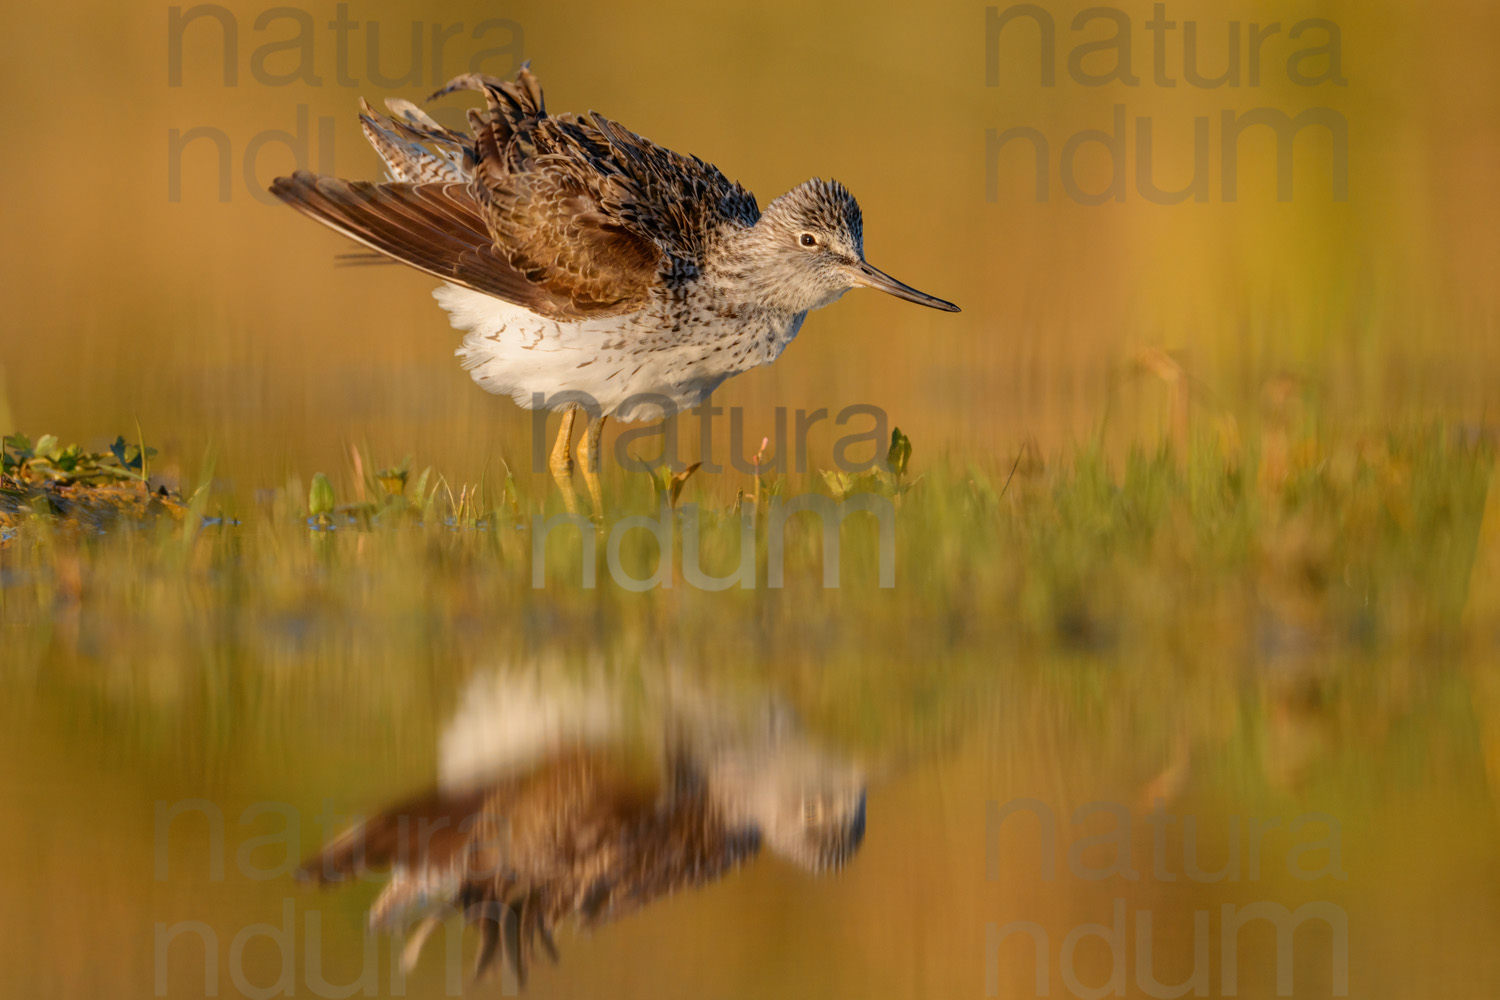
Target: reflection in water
x=547 y=808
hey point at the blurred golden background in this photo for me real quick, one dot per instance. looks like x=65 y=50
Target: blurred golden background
x=1262 y=644
x=226 y=322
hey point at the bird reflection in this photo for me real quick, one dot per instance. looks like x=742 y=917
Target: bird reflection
x=591 y=826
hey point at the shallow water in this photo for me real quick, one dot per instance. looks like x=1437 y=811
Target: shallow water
x=1300 y=627
x=153 y=810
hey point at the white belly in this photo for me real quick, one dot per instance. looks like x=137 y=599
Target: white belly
x=540 y=362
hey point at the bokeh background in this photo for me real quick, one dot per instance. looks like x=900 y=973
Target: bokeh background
x=220 y=326
x=225 y=322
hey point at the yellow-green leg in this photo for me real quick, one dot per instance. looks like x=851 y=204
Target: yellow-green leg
x=561 y=462
x=588 y=455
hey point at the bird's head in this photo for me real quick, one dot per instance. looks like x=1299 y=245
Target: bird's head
x=808 y=806
x=818 y=827
x=812 y=243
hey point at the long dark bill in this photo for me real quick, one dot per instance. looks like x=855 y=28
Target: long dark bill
x=872 y=277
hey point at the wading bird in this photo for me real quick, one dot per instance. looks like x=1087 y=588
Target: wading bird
x=589 y=267
x=593 y=832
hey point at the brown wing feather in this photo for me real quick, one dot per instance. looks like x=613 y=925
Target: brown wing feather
x=423 y=833
x=546 y=200
x=569 y=216
x=590 y=834
x=400 y=146
x=682 y=843
x=551 y=168
x=435 y=228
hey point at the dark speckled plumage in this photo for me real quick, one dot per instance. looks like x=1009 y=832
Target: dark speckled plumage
x=591 y=836
x=580 y=256
x=572 y=216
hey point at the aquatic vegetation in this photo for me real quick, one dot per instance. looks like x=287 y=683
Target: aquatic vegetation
x=1284 y=614
x=78 y=486
x=1292 y=544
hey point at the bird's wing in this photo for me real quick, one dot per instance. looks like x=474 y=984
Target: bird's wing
x=683 y=846
x=440 y=229
x=431 y=831
x=399 y=141
x=542 y=175
x=569 y=216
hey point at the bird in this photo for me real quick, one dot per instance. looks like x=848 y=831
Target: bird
x=589 y=268
x=591 y=833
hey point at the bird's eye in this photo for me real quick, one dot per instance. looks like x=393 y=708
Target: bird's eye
x=808 y=240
